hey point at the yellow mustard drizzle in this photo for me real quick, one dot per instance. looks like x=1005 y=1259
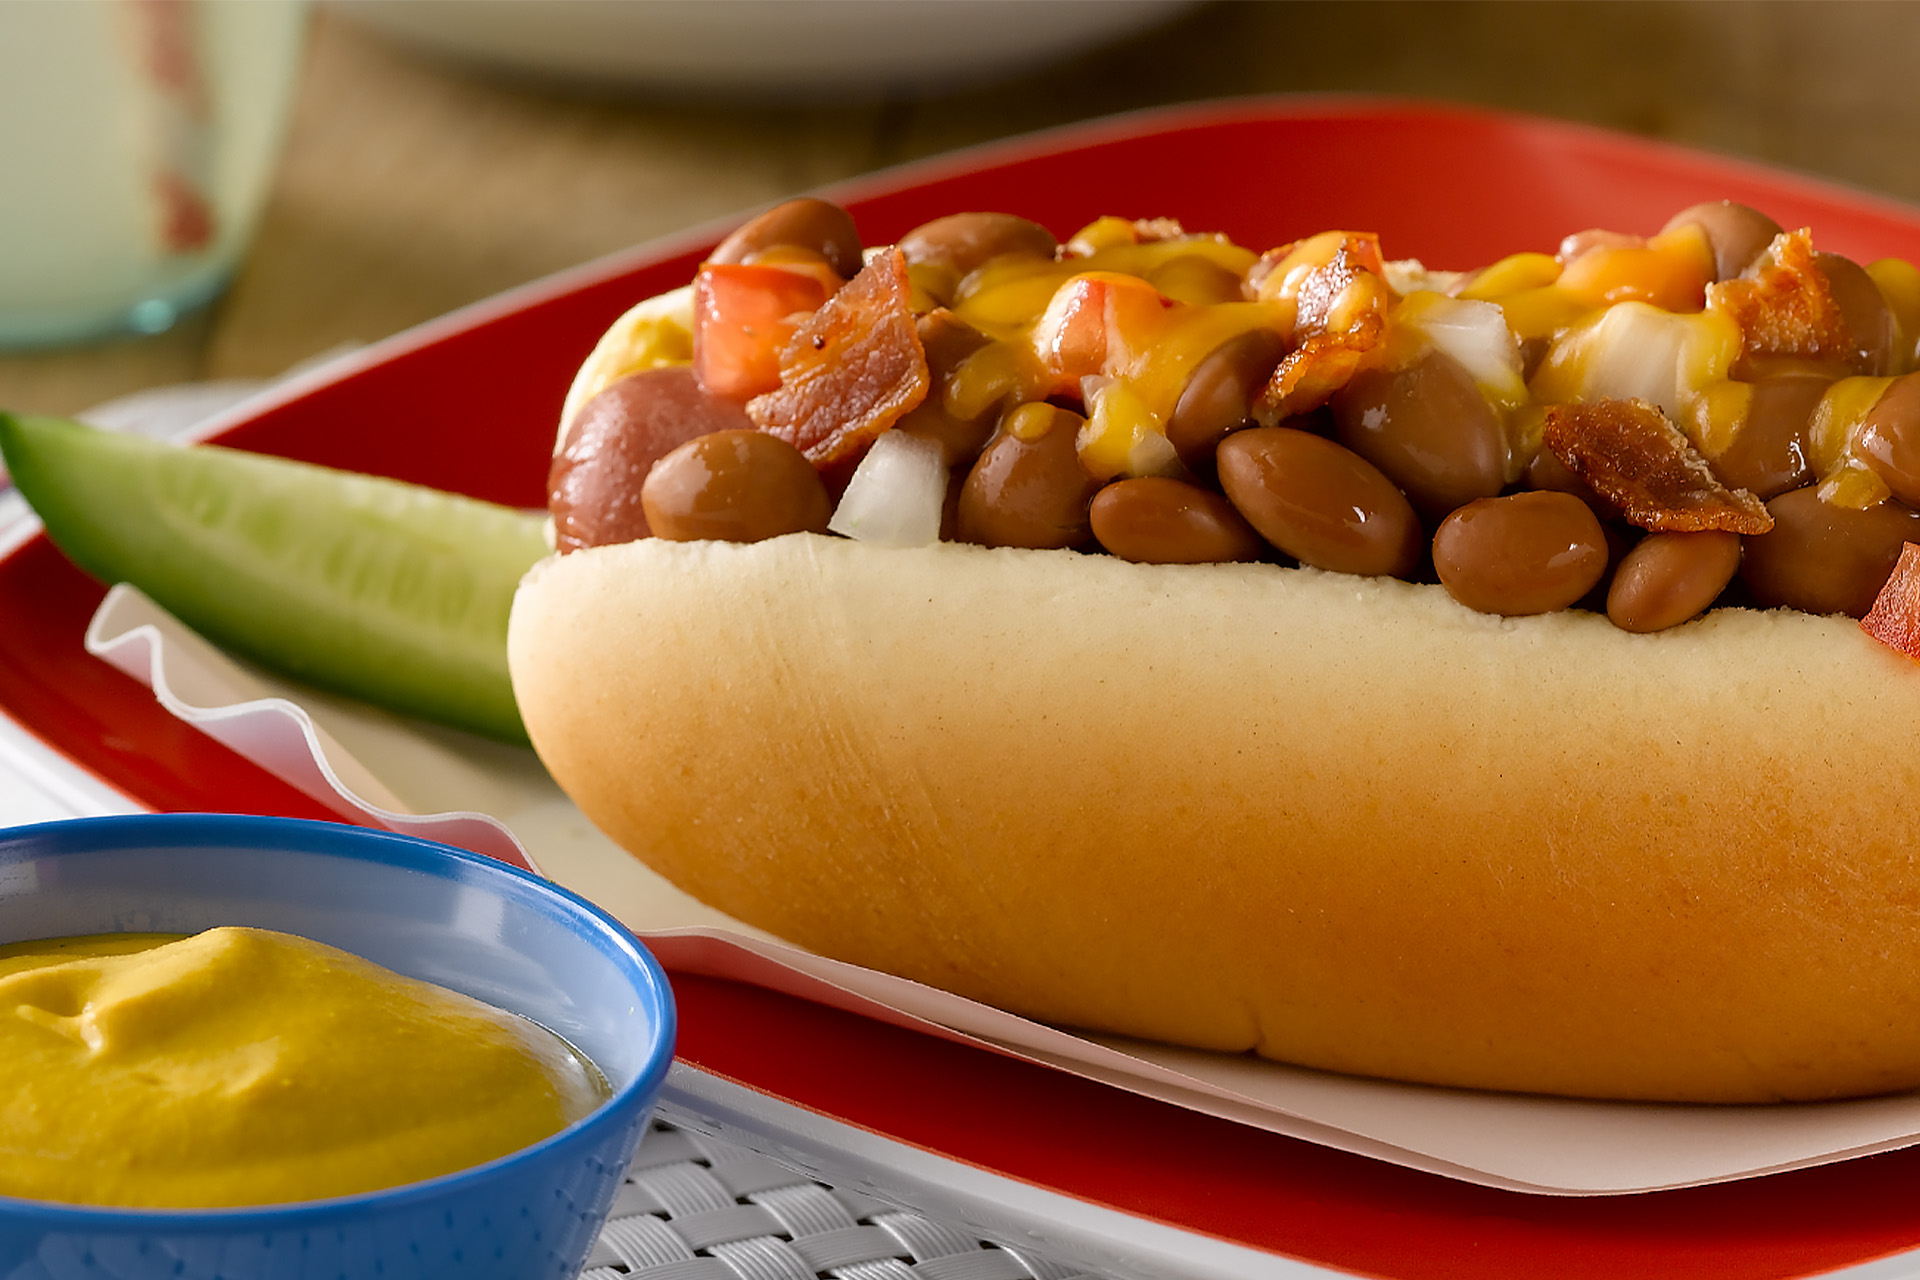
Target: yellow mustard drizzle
x=1899 y=283
x=241 y=1066
x=1833 y=434
x=1714 y=418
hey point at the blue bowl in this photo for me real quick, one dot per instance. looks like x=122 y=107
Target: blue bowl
x=425 y=910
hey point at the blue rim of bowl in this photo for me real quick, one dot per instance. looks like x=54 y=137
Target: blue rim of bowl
x=365 y=844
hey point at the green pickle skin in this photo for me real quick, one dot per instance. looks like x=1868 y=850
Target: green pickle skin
x=391 y=593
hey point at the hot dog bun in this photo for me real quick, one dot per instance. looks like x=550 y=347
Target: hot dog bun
x=1343 y=822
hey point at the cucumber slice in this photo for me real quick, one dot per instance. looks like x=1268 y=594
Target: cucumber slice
x=388 y=592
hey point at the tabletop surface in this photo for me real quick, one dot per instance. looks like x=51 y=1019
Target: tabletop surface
x=411 y=185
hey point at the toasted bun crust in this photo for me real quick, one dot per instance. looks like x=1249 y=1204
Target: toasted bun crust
x=1343 y=822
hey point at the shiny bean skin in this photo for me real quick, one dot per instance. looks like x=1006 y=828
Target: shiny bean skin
x=1865 y=309
x=1522 y=554
x=1320 y=502
x=1769 y=452
x=947 y=340
x=1581 y=243
x=1194 y=279
x=1669 y=578
x=735 y=486
x=1220 y=391
x=962 y=241
x=1736 y=233
x=1153 y=520
x=1548 y=471
x=1821 y=558
x=1029 y=492
x=1889 y=438
x=593 y=486
x=1429 y=429
x=805 y=223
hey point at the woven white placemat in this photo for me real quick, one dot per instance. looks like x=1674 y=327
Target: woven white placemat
x=695 y=1207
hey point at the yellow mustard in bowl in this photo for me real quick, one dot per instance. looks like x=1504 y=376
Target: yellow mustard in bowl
x=242 y=1067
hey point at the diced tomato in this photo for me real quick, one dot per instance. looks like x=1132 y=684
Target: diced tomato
x=1097 y=323
x=744 y=314
x=1894 y=619
x=1670 y=271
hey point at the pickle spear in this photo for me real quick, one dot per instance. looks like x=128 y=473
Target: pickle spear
x=387 y=592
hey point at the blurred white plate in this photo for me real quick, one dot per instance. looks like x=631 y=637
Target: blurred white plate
x=759 y=46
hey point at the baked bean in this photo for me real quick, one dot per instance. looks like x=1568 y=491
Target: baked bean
x=1522 y=554
x=1736 y=233
x=961 y=242
x=1822 y=558
x=593 y=487
x=1428 y=427
x=1548 y=470
x=1320 y=502
x=1533 y=354
x=1865 y=310
x=1769 y=450
x=1669 y=578
x=1220 y=391
x=1153 y=520
x=735 y=486
x=805 y=223
x=1889 y=439
x=1196 y=279
x=1580 y=243
x=1028 y=488
x=947 y=340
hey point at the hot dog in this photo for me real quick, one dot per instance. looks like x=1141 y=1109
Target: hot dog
x=1507 y=726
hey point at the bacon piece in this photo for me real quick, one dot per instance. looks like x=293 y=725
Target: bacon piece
x=1786 y=310
x=1319 y=268
x=1307 y=376
x=1339 y=316
x=852 y=370
x=1629 y=453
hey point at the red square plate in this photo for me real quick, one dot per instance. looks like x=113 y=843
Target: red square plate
x=469 y=403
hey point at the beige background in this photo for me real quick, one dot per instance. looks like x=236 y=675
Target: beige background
x=411 y=185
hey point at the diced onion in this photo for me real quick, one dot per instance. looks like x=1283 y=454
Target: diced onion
x=1409 y=275
x=1476 y=335
x=896 y=494
x=1153 y=454
x=1634 y=351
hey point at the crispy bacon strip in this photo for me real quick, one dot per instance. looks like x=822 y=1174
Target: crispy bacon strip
x=1786 y=309
x=1307 y=376
x=852 y=370
x=1339 y=317
x=1629 y=453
